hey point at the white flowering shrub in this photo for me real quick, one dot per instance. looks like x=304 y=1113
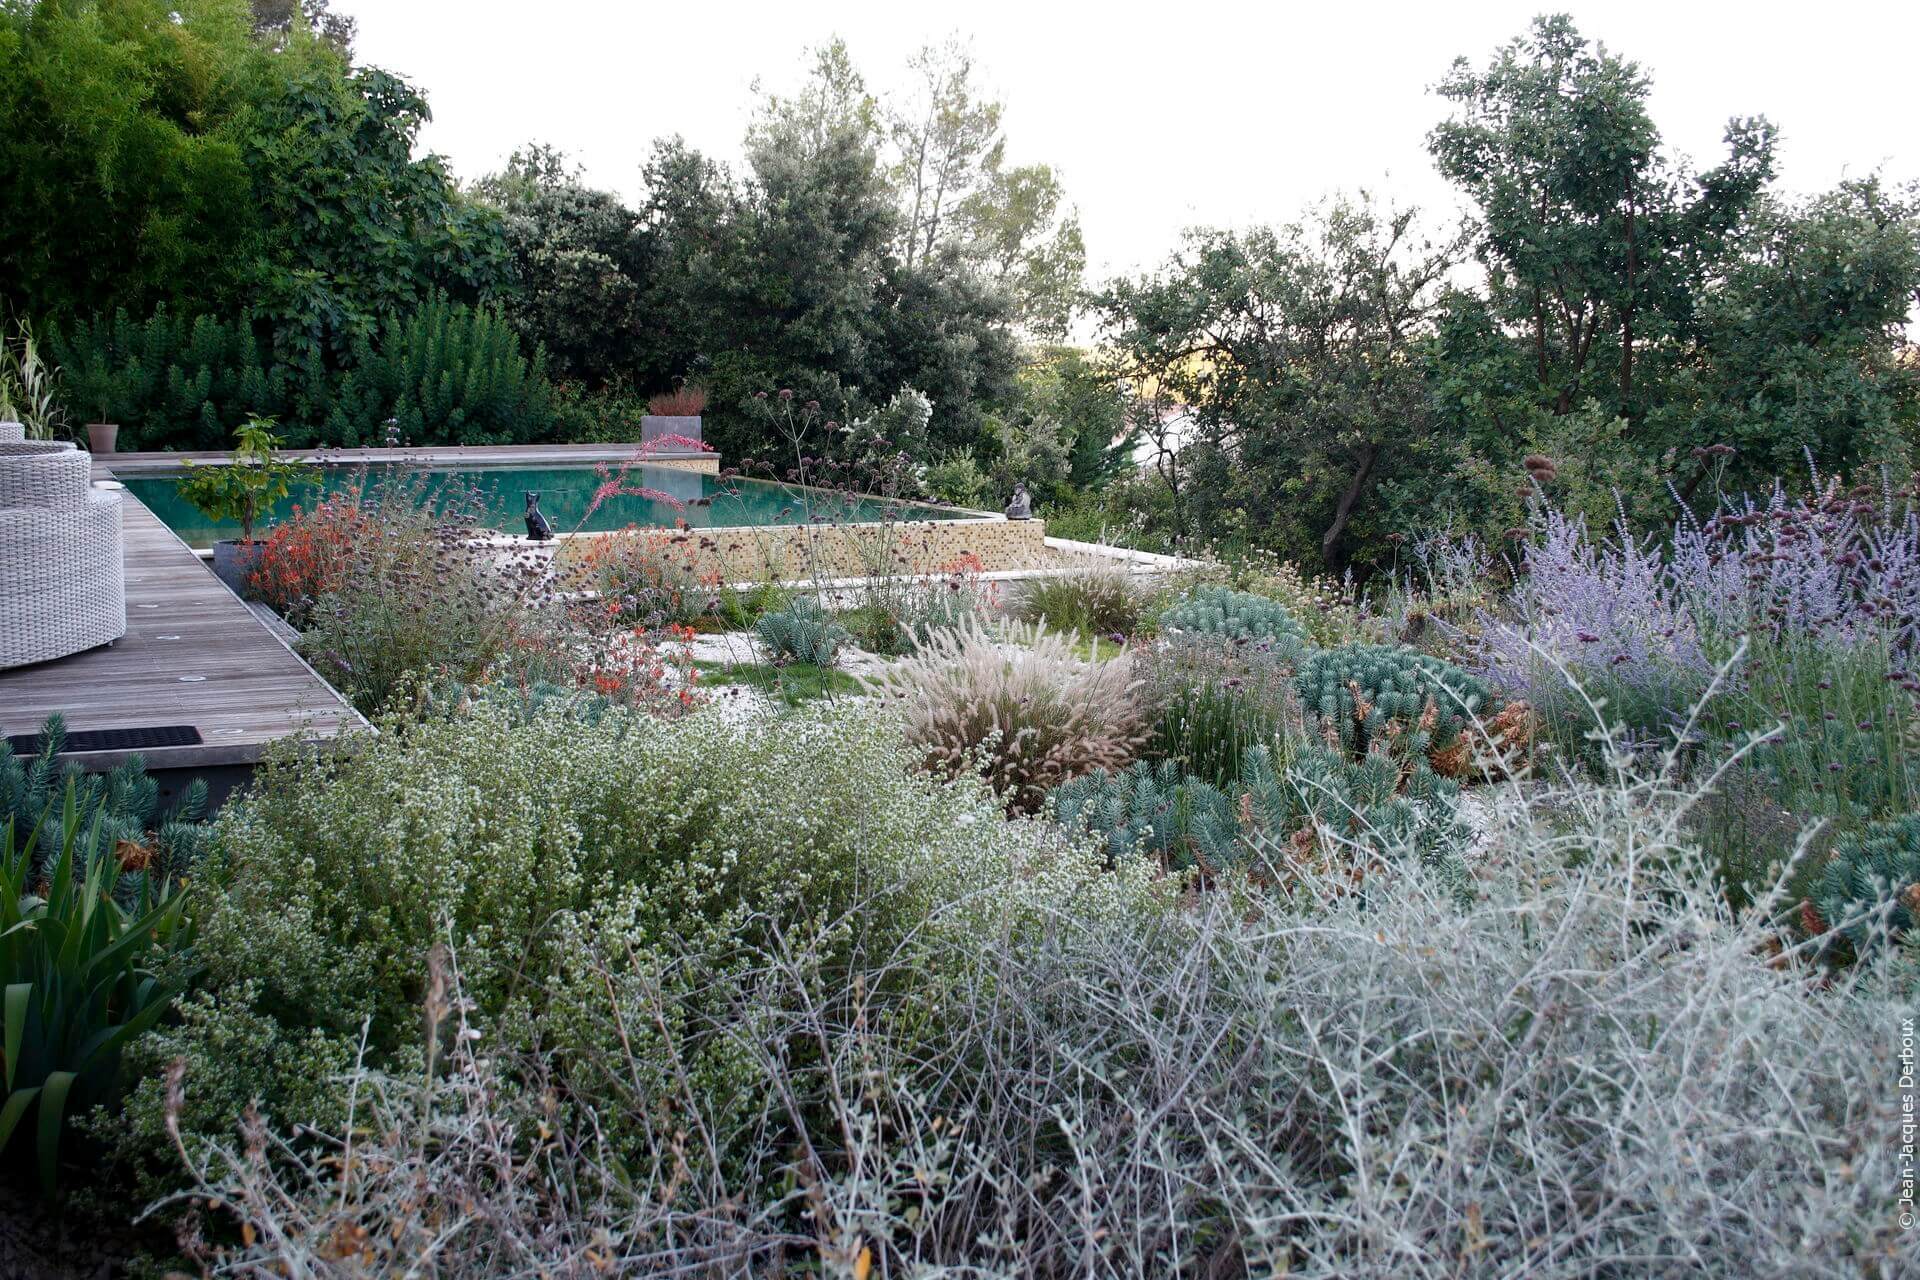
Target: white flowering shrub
x=1592 y=1068
x=565 y=861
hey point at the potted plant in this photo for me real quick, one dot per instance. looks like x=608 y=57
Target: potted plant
x=97 y=386
x=242 y=489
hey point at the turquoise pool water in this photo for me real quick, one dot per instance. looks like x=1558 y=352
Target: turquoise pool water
x=565 y=494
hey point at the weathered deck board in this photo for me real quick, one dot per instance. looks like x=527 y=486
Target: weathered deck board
x=193 y=654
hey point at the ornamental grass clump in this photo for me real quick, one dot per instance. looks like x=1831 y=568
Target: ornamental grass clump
x=1213 y=701
x=1019 y=707
x=1093 y=600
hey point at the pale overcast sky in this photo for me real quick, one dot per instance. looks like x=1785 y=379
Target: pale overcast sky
x=1159 y=117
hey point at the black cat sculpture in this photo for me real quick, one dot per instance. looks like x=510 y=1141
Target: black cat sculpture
x=537 y=527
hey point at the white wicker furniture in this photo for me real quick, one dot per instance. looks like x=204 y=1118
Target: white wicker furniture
x=62 y=574
x=12 y=432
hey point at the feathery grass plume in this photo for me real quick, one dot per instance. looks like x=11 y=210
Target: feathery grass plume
x=1018 y=706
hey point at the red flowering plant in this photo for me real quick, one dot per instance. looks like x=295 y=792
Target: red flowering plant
x=649 y=577
x=643 y=670
x=310 y=554
x=616 y=482
x=966 y=575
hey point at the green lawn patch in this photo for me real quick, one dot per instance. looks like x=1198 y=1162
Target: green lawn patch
x=793 y=684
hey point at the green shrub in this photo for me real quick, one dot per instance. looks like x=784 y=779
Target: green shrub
x=177 y=381
x=605 y=415
x=801 y=632
x=1361 y=692
x=956 y=477
x=83 y=974
x=1869 y=886
x=446 y=374
x=1325 y=1082
x=1235 y=615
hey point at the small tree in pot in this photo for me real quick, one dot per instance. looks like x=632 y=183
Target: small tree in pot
x=242 y=489
x=101 y=382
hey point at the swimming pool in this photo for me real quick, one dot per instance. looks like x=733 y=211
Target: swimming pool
x=566 y=492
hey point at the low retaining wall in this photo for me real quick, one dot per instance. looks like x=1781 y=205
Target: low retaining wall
x=707 y=464
x=803 y=552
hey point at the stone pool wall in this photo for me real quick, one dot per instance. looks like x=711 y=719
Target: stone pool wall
x=706 y=464
x=801 y=552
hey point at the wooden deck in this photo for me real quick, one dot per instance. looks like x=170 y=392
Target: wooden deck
x=194 y=654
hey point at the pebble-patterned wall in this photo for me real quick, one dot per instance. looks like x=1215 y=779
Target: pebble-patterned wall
x=805 y=552
x=707 y=464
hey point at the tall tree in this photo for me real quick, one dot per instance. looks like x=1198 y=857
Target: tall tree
x=356 y=228
x=579 y=268
x=959 y=200
x=1802 y=346
x=122 y=154
x=949 y=145
x=1299 y=354
x=1022 y=234
x=1632 y=303
x=788 y=275
x=276 y=20
x=831 y=104
x=1594 y=242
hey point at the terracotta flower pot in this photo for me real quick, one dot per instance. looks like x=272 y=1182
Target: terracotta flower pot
x=102 y=436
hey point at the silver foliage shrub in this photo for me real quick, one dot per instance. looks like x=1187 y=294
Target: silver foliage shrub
x=1592 y=1068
